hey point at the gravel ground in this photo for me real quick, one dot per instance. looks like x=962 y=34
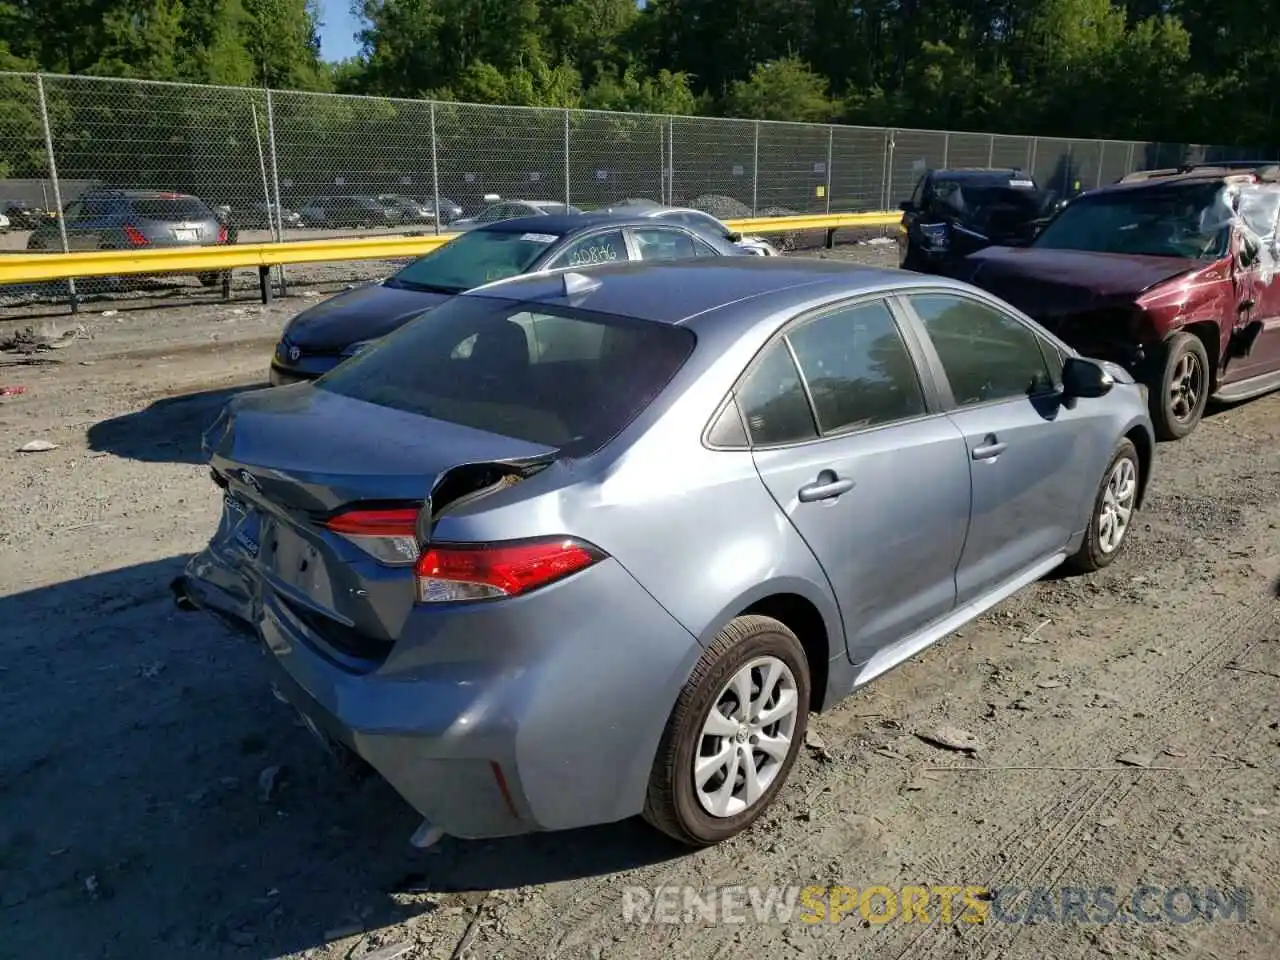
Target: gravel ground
x=158 y=802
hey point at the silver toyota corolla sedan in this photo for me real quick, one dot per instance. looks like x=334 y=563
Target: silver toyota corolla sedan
x=580 y=546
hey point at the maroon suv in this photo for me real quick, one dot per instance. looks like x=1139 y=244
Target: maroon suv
x=1172 y=273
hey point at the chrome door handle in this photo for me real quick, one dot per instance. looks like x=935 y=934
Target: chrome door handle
x=989 y=451
x=827 y=487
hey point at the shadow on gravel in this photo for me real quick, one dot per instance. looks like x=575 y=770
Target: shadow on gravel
x=159 y=799
x=167 y=431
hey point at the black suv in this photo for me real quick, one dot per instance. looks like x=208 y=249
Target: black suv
x=953 y=213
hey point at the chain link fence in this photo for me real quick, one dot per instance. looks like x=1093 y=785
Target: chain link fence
x=266 y=166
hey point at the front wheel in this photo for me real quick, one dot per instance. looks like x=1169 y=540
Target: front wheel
x=1113 y=510
x=1180 y=387
x=733 y=735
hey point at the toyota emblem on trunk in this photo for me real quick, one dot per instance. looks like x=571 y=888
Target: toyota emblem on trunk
x=294 y=354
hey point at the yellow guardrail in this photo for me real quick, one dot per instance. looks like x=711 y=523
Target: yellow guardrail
x=37 y=267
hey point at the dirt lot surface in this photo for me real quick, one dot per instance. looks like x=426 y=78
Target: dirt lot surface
x=159 y=802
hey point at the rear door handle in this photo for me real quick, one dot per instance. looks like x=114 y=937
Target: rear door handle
x=827 y=487
x=990 y=448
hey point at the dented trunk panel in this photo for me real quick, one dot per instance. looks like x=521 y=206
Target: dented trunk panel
x=289 y=458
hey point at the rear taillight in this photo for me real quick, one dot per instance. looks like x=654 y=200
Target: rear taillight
x=134 y=236
x=222 y=233
x=452 y=572
x=389 y=536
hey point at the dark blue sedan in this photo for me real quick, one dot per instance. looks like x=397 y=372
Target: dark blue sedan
x=317 y=339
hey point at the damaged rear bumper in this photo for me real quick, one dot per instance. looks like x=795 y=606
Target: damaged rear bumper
x=494 y=718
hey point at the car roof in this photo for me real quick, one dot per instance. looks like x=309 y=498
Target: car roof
x=981 y=173
x=140 y=195
x=675 y=291
x=1174 y=178
x=563 y=223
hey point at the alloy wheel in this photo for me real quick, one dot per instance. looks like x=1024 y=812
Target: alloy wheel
x=746 y=737
x=1118 y=498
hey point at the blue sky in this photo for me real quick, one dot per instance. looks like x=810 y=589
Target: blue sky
x=337 y=35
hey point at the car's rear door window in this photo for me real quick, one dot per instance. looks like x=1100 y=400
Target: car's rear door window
x=606 y=247
x=986 y=355
x=773 y=400
x=857 y=367
x=548 y=375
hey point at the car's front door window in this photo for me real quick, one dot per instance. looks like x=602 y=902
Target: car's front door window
x=987 y=355
x=664 y=244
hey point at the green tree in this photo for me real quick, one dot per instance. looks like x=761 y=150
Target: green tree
x=784 y=89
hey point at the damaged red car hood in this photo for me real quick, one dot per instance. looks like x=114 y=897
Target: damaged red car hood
x=1047 y=283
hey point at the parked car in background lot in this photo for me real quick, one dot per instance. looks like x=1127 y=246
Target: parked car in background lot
x=513 y=209
x=470 y=555
x=1172 y=274
x=259 y=216
x=346 y=211
x=4 y=222
x=449 y=210
x=700 y=221
x=405 y=209
x=133 y=219
x=953 y=213
x=23 y=215
x=319 y=338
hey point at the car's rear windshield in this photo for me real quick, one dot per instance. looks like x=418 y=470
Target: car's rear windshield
x=171 y=208
x=472 y=259
x=544 y=374
x=1174 y=221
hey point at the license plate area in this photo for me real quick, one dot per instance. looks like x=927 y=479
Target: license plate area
x=186 y=233
x=244 y=523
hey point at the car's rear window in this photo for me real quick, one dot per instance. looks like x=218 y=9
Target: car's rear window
x=544 y=374
x=166 y=208
x=474 y=258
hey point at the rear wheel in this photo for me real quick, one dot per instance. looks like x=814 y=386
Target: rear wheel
x=733 y=735
x=1179 y=388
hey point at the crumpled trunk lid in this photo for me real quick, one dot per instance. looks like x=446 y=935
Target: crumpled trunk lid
x=290 y=457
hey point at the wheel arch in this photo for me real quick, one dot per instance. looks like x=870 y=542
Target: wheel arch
x=807 y=611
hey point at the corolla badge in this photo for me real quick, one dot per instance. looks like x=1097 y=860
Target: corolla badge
x=250 y=481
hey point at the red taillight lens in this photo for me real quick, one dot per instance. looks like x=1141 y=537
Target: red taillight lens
x=389 y=536
x=134 y=236
x=222 y=234
x=452 y=572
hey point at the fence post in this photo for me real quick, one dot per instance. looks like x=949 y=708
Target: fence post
x=831 y=136
x=1102 y=153
x=435 y=169
x=662 y=162
x=1033 y=147
x=275 y=180
x=946 y=149
x=57 y=189
x=566 y=158
x=671 y=160
x=755 y=169
x=1066 y=173
x=991 y=151
x=272 y=221
x=886 y=172
x=1128 y=163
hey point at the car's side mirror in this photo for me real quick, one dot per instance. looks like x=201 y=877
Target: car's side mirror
x=1083 y=378
x=906 y=206
x=733 y=236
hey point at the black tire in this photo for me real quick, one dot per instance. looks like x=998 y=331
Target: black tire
x=672 y=804
x=1093 y=553
x=1182 y=366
